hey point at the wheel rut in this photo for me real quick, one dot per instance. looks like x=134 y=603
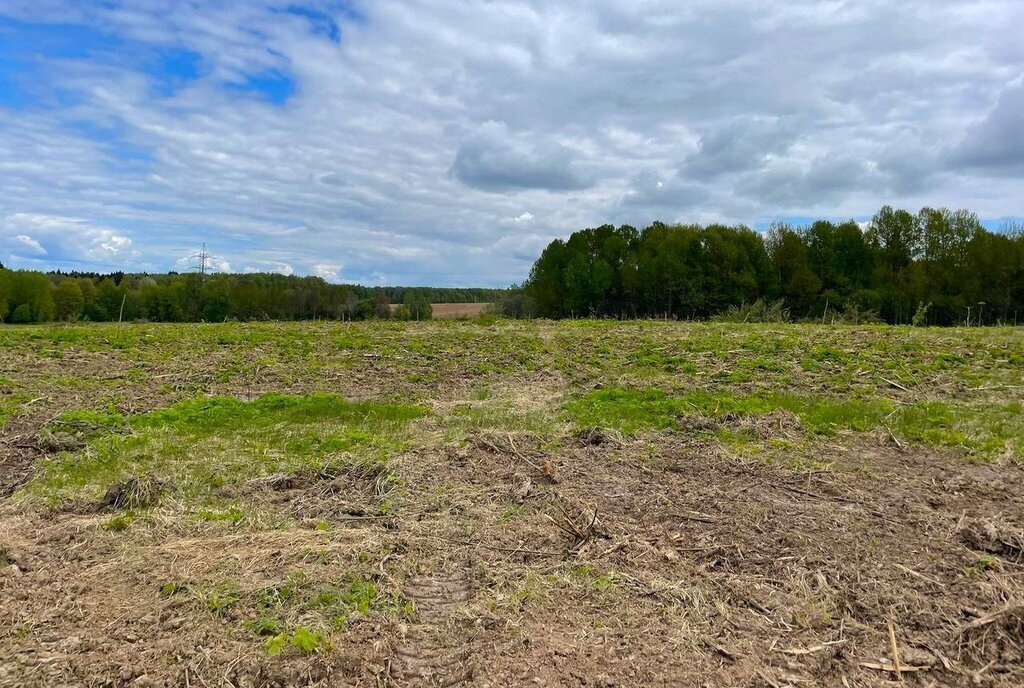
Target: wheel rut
x=435 y=650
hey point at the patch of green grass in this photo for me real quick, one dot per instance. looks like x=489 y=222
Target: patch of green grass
x=202 y=447
x=986 y=430
x=232 y=514
x=304 y=639
x=9 y=405
x=118 y=523
x=297 y=603
x=218 y=415
x=265 y=626
x=627 y=410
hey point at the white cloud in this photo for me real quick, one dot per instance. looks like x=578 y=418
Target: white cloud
x=32 y=245
x=69 y=239
x=330 y=272
x=522 y=218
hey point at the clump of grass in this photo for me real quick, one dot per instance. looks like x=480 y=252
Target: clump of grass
x=759 y=311
x=265 y=626
x=134 y=493
x=589 y=577
x=301 y=614
x=281 y=593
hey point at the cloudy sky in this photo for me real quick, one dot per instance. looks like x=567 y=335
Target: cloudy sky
x=447 y=141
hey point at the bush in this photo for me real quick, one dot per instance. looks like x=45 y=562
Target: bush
x=855 y=315
x=22 y=314
x=757 y=312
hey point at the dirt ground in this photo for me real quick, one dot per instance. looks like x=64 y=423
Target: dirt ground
x=514 y=558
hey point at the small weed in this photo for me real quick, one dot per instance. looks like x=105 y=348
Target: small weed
x=279 y=594
x=302 y=638
x=589 y=577
x=512 y=511
x=220 y=598
x=265 y=626
x=985 y=562
x=172 y=588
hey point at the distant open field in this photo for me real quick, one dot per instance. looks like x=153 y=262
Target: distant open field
x=447 y=311
x=458 y=310
x=586 y=503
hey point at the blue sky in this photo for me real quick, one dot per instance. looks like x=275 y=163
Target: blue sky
x=447 y=142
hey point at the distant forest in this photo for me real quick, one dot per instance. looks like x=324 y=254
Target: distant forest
x=934 y=267
x=29 y=297
x=937 y=267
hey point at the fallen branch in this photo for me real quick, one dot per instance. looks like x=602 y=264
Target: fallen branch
x=813 y=648
x=890 y=667
x=916 y=574
x=700 y=518
x=895 y=651
x=992 y=617
x=895 y=384
x=731 y=656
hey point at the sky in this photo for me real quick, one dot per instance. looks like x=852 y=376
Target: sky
x=446 y=142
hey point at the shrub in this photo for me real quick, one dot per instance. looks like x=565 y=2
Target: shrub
x=758 y=312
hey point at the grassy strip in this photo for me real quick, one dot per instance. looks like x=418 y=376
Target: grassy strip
x=986 y=430
x=200 y=446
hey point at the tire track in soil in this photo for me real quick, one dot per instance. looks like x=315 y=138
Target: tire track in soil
x=434 y=650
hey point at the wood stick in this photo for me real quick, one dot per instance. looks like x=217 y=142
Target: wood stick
x=895 y=651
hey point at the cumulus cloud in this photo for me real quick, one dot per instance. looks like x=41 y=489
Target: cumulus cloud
x=68 y=239
x=330 y=272
x=443 y=143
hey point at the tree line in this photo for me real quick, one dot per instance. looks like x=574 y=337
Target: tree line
x=937 y=266
x=28 y=297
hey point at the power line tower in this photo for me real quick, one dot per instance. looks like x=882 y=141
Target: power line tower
x=204 y=258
